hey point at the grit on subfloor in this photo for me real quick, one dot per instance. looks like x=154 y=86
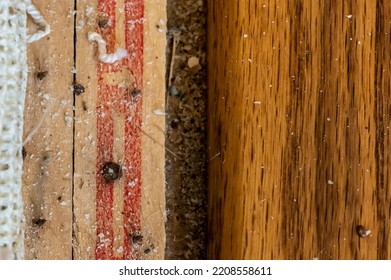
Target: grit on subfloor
x=186 y=130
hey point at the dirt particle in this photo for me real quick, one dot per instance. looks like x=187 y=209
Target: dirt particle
x=111 y=171
x=103 y=23
x=137 y=239
x=147 y=251
x=136 y=93
x=47 y=158
x=39 y=222
x=24 y=153
x=78 y=89
x=174 y=123
x=193 y=62
x=173 y=90
x=42 y=75
x=362 y=231
x=84 y=104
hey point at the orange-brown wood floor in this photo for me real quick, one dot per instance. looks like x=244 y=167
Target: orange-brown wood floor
x=299 y=129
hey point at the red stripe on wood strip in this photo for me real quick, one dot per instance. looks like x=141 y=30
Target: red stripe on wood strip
x=130 y=108
x=134 y=36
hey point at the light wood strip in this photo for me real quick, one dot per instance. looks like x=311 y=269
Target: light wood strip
x=130 y=129
x=47 y=173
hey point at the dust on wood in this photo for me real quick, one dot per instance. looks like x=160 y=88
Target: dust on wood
x=119 y=227
x=47 y=170
x=299 y=103
x=60 y=167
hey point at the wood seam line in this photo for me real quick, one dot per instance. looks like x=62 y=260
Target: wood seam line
x=74 y=236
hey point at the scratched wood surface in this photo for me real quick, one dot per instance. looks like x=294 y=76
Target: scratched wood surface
x=47 y=171
x=299 y=143
x=118 y=118
x=115 y=122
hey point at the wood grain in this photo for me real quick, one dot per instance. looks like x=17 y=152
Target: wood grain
x=153 y=204
x=84 y=189
x=47 y=172
x=71 y=211
x=299 y=104
x=114 y=121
